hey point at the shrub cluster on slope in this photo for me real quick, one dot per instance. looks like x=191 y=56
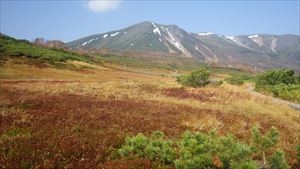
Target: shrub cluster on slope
x=239 y=79
x=281 y=83
x=13 y=47
x=198 y=78
x=202 y=151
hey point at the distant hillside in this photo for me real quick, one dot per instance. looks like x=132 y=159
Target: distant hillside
x=50 y=43
x=256 y=52
x=21 y=48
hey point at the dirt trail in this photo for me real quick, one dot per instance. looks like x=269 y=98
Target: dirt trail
x=275 y=100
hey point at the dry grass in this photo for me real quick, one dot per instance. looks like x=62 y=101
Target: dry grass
x=75 y=119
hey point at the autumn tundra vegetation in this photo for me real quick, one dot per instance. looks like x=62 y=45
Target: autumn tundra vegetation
x=108 y=111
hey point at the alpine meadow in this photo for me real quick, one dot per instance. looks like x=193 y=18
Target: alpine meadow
x=110 y=84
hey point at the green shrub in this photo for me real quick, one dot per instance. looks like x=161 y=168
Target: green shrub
x=275 y=77
x=280 y=83
x=153 y=148
x=198 y=78
x=298 y=150
x=278 y=161
x=289 y=92
x=235 y=80
x=263 y=143
x=136 y=145
x=202 y=151
x=244 y=165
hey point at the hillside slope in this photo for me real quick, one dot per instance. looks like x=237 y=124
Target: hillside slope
x=255 y=52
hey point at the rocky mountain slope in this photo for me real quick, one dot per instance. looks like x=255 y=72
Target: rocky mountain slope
x=255 y=52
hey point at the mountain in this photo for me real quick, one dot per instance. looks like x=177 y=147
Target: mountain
x=49 y=43
x=255 y=52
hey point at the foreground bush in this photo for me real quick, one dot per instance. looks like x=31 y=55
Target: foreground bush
x=278 y=161
x=198 y=78
x=202 y=151
x=153 y=148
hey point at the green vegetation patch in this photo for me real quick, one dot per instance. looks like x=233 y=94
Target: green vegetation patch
x=202 y=151
x=198 y=78
x=240 y=79
x=281 y=83
x=22 y=48
x=15 y=132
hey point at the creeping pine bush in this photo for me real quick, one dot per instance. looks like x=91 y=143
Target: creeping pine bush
x=202 y=151
x=153 y=148
x=235 y=80
x=263 y=143
x=207 y=151
x=278 y=161
x=198 y=78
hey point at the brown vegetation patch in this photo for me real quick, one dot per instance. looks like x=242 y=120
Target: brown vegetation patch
x=76 y=131
x=182 y=93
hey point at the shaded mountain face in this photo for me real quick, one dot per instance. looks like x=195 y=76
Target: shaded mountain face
x=254 y=52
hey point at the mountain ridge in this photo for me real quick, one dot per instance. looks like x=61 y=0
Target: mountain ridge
x=257 y=51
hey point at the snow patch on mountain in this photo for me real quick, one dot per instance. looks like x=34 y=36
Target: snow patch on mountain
x=205 y=33
x=114 y=34
x=253 y=36
x=104 y=36
x=170 y=35
x=236 y=41
x=274 y=44
x=258 y=40
x=230 y=37
x=87 y=42
x=156 y=29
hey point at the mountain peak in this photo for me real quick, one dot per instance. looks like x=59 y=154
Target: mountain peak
x=150 y=38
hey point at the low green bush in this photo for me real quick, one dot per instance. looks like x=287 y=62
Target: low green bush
x=153 y=148
x=289 y=92
x=198 y=78
x=235 y=80
x=275 y=77
x=240 y=79
x=202 y=151
x=278 y=161
x=280 y=83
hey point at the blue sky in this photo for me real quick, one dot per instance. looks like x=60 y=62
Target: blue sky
x=69 y=20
